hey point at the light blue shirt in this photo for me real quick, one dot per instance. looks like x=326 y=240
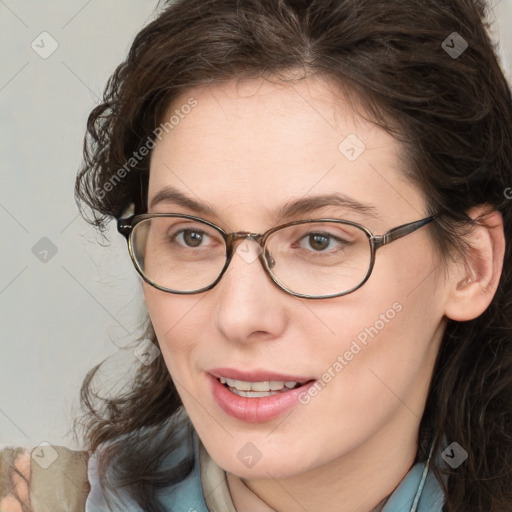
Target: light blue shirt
x=419 y=491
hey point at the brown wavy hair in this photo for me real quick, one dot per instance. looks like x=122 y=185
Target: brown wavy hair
x=453 y=117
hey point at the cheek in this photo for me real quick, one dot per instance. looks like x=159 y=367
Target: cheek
x=176 y=323
x=383 y=337
x=378 y=365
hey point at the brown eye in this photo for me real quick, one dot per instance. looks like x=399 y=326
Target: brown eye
x=318 y=242
x=192 y=238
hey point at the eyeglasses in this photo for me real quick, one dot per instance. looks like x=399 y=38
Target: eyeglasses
x=312 y=259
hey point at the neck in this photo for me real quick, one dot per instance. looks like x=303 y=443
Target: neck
x=361 y=480
x=380 y=506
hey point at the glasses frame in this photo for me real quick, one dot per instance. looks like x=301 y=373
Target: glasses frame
x=125 y=226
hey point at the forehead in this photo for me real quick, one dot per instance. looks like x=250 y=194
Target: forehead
x=250 y=143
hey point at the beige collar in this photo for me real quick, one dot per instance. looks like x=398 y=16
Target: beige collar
x=214 y=481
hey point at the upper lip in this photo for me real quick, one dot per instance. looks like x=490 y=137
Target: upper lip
x=256 y=375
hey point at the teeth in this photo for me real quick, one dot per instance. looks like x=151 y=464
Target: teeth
x=252 y=394
x=264 y=387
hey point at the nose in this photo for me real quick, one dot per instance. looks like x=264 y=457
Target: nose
x=248 y=304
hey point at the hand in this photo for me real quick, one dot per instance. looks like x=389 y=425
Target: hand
x=20 y=486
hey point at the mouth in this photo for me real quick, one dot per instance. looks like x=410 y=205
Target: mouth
x=259 y=389
x=256 y=396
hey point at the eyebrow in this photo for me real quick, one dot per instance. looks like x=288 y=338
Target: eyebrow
x=173 y=195
x=313 y=203
x=289 y=209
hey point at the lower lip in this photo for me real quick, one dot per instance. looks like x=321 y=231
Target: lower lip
x=256 y=410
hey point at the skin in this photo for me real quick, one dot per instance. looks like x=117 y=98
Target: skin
x=248 y=147
x=10 y=503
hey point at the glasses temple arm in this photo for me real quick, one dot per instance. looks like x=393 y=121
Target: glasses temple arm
x=124 y=226
x=404 y=229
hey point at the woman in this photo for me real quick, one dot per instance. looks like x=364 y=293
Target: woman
x=316 y=195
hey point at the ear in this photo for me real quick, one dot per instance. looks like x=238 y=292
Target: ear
x=474 y=280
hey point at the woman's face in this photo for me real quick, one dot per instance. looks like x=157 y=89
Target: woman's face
x=246 y=150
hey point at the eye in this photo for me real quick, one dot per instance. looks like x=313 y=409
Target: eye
x=190 y=237
x=320 y=242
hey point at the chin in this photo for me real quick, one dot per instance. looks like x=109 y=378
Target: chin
x=261 y=469
x=256 y=459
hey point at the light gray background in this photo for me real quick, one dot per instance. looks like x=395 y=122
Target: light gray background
x=61 y=316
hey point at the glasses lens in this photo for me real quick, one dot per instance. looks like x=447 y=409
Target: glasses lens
x=177 y=253
x=319 y=258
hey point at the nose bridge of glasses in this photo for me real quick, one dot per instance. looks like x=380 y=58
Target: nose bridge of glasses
x=243 y=235
x=255 y=237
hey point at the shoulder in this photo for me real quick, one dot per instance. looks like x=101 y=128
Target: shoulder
x=186 y=493
x=45 y=478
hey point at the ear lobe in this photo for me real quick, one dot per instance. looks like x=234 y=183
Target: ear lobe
x=474 y=282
